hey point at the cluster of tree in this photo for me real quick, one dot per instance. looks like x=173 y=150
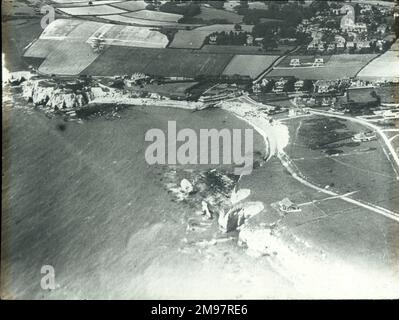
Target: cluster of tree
x=228 y=38
x=291 y=14
x=188 y=10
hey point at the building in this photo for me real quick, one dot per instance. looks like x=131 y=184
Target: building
x=382 y=29
x=362 y=45
x=213 y=39
x=258 y=41
x=250 y=40
x=299 y=85
x=318 y=62
x=279 y=85
x=295 y=62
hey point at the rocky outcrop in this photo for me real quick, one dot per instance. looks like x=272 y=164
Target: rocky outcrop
x=238 y=214
x=41 y=92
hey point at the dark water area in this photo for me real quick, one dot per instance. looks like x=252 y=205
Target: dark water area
x=82 y=198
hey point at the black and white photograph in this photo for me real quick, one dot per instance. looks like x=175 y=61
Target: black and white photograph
x=200 y=150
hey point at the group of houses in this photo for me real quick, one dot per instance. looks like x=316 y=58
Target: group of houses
x=349 y=35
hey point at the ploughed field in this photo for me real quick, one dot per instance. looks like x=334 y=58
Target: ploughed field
x=164 y=62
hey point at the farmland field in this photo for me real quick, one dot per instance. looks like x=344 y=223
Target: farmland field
x=338 y=67
x=131 y=5
x=41 y=48
x=112 y=34
x=186 y=63
x=132 y=36
x=208 y=14
x=134 y=21
x=162 y=62
x=248 y=50
x=69 y=58
x=154 y=15
x=384 y=67
x=224 y=27
x=60 y=28
x=92 y=10
x=84 y=30
x=109 y=62
x=249 y=65
x=189 y=39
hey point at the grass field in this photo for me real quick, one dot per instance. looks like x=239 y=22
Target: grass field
x=171 y=62
x=224 y=27
x=161 y=62
x=249 y=65
x=360 y=167
x=339 y=66
x=133 y=21
x=209 y=14
x=384 y=67
x=41 y=48
x=109 y=62
x=189 y=39
x=154 y=15
x=92 y=10
x=131 y=5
